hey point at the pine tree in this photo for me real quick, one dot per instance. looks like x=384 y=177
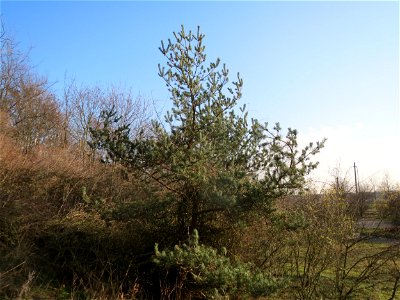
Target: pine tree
x=212 y=160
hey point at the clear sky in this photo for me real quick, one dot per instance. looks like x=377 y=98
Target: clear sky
x=329 y=69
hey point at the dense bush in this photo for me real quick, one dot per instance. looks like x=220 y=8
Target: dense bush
x=53 y=220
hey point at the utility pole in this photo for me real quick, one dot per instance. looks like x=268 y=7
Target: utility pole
x=355 y=178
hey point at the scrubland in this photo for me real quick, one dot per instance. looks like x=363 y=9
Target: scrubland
x=99 y=201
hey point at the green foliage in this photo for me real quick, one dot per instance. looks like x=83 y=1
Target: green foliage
x=111 y=137
x=211 y=273
x=206 y=155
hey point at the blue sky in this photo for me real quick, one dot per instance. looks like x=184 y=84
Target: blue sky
x=329 y=69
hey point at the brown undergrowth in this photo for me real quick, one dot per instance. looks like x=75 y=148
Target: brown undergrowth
x=53 y=225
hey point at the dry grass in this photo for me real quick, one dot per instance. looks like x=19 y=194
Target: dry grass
x=51 y=186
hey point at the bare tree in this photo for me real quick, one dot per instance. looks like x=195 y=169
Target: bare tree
x=14 y=68
x=26 y=101
x=35 y=115
x=83 y=106
x=342 y=188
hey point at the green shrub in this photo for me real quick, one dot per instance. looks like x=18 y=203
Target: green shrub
x=201 y=271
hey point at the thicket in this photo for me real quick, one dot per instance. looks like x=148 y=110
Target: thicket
x=390 y=207
x=99 y=202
